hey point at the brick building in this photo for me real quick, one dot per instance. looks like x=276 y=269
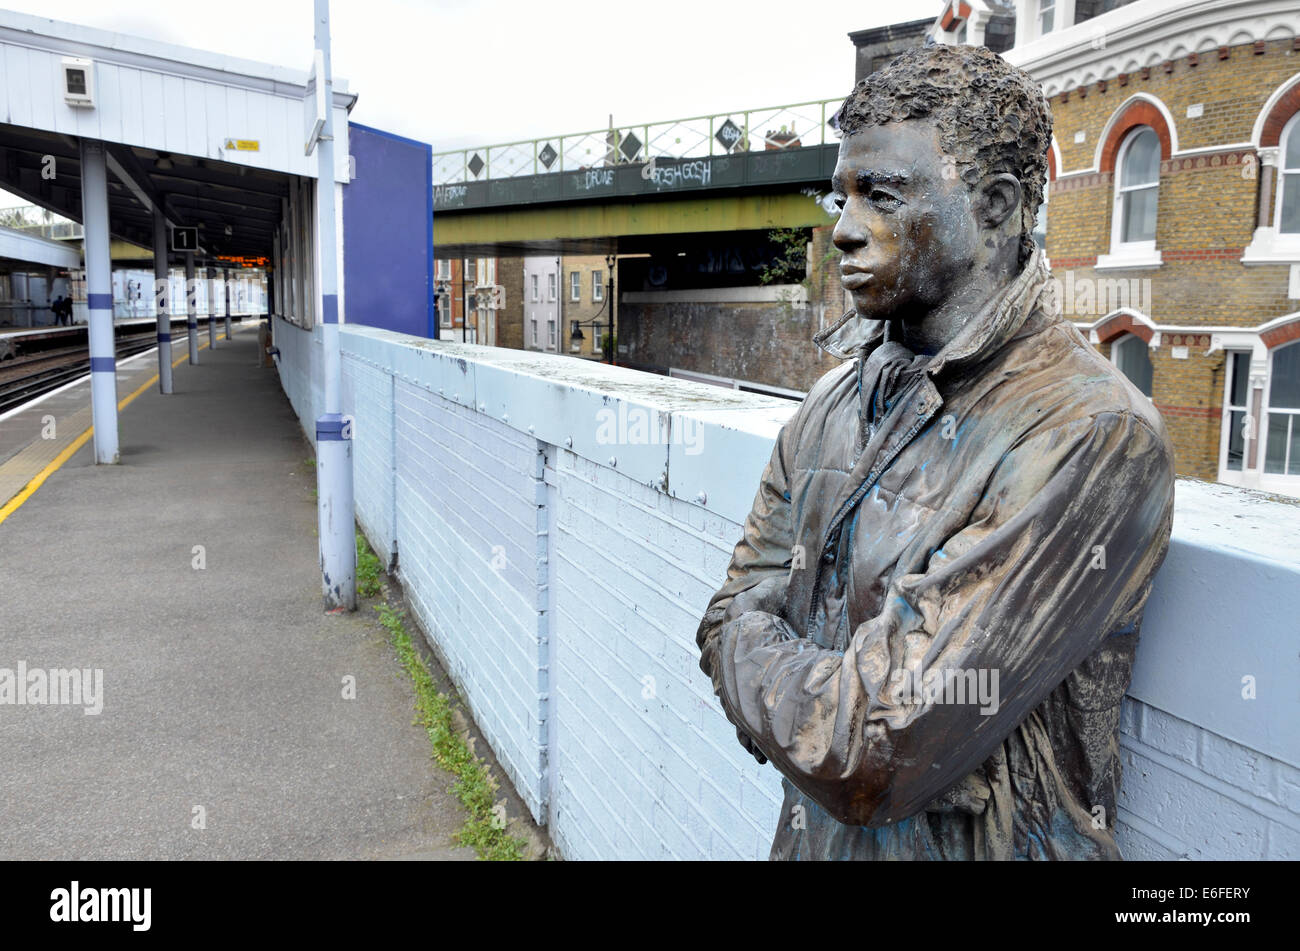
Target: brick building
x=585 y=302
x=472 y=280
x=552 y=292
x=1173 y=216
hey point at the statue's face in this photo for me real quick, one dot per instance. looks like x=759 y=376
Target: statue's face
x=906 y=227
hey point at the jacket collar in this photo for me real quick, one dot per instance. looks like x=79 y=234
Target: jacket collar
x=852 y=336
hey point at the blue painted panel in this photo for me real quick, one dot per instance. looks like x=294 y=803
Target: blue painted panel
x=388 y=233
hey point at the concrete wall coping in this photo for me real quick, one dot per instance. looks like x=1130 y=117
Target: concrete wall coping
x=651 y=428
x=1257 y=524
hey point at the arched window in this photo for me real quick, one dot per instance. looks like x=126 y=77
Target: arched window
x=1138 y=187
x=1288 y=185
x=1129 y=353
x=1282 y=440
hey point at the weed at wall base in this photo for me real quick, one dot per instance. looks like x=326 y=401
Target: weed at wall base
x=483 y=830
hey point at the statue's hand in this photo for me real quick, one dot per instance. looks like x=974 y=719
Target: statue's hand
x=767 y=596
x=748 y=743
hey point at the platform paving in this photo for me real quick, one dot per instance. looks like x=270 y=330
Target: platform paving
x=223 y=687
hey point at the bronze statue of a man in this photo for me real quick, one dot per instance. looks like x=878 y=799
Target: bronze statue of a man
x=930 y=621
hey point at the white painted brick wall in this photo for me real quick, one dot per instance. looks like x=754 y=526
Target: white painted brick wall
x=300 y=371
x=589 y=689
x=1189 y=793
x=466 y=531
x=368 y=398
x=639 y=736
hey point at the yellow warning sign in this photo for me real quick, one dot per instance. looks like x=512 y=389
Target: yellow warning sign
x=243 y=145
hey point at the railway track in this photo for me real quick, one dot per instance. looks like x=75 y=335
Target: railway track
x=27 y=378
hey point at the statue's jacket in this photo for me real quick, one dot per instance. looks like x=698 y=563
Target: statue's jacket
x=1005 y=520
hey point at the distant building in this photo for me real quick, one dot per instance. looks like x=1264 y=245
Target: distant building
x=996 y=24
x=541 y=304
x=466 y=299
x=876 y=48
x=1173 y=220
x=586 y=305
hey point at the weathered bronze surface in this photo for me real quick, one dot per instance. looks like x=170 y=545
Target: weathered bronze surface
x=931 y=619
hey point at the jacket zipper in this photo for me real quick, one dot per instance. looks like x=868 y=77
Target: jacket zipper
x=876 y=471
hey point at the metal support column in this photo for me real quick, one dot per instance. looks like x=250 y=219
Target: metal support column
x=338 y=553
x=192 y=307
x=212 y=308
x=162 y=297
x=99 y=300
x=225 y=282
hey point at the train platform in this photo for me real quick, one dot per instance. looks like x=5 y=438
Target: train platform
x=186 y=578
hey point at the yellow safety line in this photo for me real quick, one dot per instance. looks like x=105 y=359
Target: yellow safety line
x=39 y=479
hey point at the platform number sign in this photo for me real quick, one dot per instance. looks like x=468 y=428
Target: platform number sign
x=185 y=239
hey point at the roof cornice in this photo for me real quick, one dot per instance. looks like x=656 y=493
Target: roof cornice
x=1147 y=33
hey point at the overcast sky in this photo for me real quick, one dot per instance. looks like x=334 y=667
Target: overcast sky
x=457 y=73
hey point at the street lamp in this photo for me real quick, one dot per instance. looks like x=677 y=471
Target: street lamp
x=576 y=335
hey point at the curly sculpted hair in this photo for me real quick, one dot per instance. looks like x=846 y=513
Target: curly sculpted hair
x=991 y=116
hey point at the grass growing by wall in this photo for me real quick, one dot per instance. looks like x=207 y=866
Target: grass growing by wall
x=369 y=569
x=485 y=830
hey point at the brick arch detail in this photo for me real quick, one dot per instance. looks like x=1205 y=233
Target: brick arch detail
x=1286 y=107
x=1280 y=336
x=1136 y=114
x=1120 y=324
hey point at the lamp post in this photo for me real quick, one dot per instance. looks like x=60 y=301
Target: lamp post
x=610 y=261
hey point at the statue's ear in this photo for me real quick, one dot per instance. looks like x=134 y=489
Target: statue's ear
x=997 y=197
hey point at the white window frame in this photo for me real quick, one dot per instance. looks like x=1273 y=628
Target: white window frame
x=1040 y=218
x=1226 y=475
x=443 y=272
x=575 y=286
x=550 y=327
x=1290 y=242
x=1046 y=7
x=597 y=286
x=1269 y=245
x=551 y=280
x=533 y=320
x=1129 y=254
x=533 y=285
x=1272 y=481
x=1125 y=340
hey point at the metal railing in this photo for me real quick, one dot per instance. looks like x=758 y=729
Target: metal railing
x=34 y=220
x=724 y=133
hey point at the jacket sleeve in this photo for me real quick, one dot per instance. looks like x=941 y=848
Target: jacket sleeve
x=1058 y=553
x=764 y=552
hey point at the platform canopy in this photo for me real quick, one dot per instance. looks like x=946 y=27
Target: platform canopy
x=212 y=140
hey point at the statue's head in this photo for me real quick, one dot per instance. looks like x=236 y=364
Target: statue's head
x=941 y=171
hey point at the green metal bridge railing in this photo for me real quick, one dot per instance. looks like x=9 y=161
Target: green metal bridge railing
x=724 y=133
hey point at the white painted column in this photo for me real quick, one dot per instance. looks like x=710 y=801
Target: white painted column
x=191 y=307
x=212 y=308
x=225 y=282
x=338 y=553
x=162 y=300
x=99 y=300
